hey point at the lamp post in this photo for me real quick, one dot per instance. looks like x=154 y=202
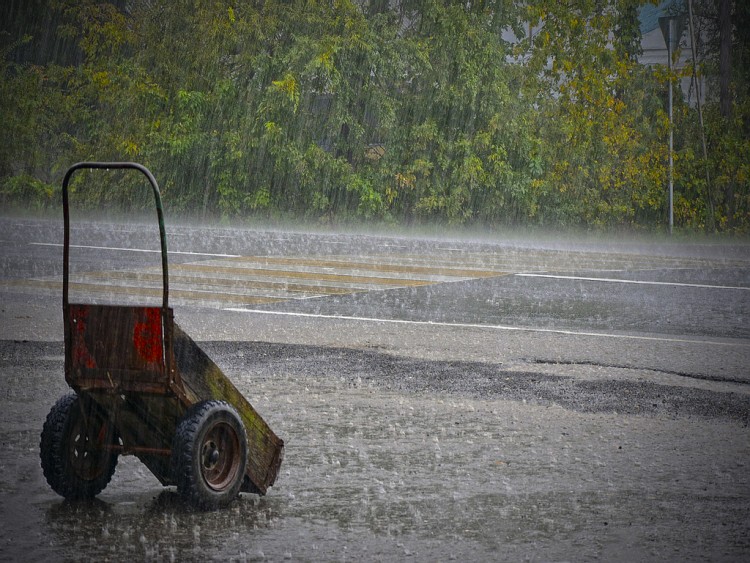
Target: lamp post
x=671 y=28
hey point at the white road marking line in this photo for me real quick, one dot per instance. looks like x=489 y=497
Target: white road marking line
x=744 y=343
x=138 y=250
x=637 y=282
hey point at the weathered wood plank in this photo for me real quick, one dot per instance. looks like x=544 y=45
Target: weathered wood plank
x=203 y=378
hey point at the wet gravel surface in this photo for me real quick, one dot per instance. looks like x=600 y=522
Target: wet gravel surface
x=483 y=381
x=390 y=458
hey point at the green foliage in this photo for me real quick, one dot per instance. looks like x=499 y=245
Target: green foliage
x=604 y=125
x=342 y=111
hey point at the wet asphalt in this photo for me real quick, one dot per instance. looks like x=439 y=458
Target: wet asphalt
x=507 y=418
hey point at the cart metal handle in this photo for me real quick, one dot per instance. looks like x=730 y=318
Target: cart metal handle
x=159 y=212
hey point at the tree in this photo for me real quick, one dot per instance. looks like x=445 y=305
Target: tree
x=455 y=112
x=723 y=49
x=603 y=153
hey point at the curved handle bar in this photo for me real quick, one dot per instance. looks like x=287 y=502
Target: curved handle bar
x=159 y=211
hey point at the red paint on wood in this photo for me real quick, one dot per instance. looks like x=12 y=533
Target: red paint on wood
x=147 y=337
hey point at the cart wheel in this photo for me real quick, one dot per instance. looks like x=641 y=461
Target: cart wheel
x=209 y=454
x=74 y=461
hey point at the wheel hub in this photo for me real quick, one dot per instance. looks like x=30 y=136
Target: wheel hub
x=211 y=455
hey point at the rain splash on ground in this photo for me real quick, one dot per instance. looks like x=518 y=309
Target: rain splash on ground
x=380 y=467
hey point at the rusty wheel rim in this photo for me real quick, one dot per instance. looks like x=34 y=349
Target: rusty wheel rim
x=85 y=450
x=220 y=456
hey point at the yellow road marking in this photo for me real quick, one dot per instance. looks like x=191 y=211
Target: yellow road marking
x=76 y=287
x=225 y=282
x=214 y=280
x=374 y=266
x=301 y=275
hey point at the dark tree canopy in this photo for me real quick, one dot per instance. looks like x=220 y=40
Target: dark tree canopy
x=465 y=113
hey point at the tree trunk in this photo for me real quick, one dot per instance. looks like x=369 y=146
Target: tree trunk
x=725 y=95
x=725 y=57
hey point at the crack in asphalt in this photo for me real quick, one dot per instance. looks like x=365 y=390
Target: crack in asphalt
x=696 y=376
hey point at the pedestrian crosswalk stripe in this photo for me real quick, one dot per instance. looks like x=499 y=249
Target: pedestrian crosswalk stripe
x=80 y=289
x=375 y=266
x=256 y=280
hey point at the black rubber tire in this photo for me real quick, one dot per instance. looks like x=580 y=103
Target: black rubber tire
x=209 y=455
x=73 y=462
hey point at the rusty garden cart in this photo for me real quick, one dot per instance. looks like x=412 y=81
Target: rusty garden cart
x=143 y=387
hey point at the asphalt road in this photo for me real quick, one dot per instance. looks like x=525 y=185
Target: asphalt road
x=496 y=398
x=673 y=308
